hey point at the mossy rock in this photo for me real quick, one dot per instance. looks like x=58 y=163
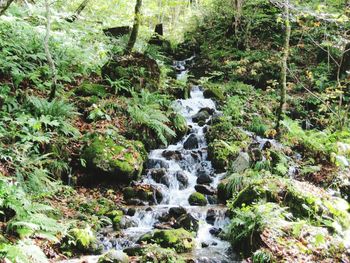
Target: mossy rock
x=221 y=154
x=178 y=239
x=119 y=159
x=141 y=70
x=157 y=254
x=113 y=256
x=214 y=91
x=116 y=217
x=197 y=199
x=83 y=240
x=92 y=89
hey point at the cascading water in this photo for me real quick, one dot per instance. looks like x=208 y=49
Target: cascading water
x=183 y=163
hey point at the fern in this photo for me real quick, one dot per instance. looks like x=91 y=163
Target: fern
x=56 y=108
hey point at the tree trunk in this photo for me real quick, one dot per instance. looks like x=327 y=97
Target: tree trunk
x=135 y=28
x=48 y=53
x=6 y=6
x=78 y=11
x=283 y=90
x=238 y=14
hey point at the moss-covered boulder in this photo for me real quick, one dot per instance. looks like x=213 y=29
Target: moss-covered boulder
x=113 y=256
x=141 y=194
x=141 y=70
x=221 y=153
x=157 y=254
x=178 y=239
x=82 y=240
x=197 y=199
x=214 y=91
x=119 y=159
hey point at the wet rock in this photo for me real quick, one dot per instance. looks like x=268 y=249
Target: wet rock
x=197 y=199
x=157 y=163
x=164 y=226
x=205 y=189
x=188 y=222
x=135 y=201
x=191 y=142
x=177 y=211
x=157 y=173
x=204 y=179
x=127 y=222
x=211 y=216
x=212 y=199
x=172 y=155
x=114 y=256
x=178 y=239
x=201 y=116
x=145 y=192
x=215 y=231
x=204 y=245
x=182 y=178
x=165 y=180
x=131 y=212
x=149 y=209
x=267 y=145
x=256 y=154
x=241 y=163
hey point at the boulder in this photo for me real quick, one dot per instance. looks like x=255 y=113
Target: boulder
x=197 y=199
x=177 y=211
x=142 y=192
x=204 y=179
x=179 y=239
x=182 y=177
x=191 y=142
x=117 y=31
x=118 y=159
x=201 y=116
x=188 y=222
x=205 y=189
x=157 y=173
x=114 y=256
x=172 y=155
x=241 y=163
x=156 y=163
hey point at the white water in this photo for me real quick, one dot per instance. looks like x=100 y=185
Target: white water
x=208 y=247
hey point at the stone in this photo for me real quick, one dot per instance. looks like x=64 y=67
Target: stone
x=205 y=189
x=241 y=163
x=201 y=116
x=177 y=211
x=114 y=256
x=172 y=155
x=165 y=180
x=204 y=179
x=188 y=222
x=197 y=199
x=256 y=154
x=179 y=239
x=118 y=159
x=156 y=163
x=211 y=216
x=191 y=142
x=215 y=231
x=131 y=211
x=117 y=31
x=182 y=177
x=157 y=173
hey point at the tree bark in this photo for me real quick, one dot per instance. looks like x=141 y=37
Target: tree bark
x=283 y=84
x=6 y=6
x=48 y=53
x=135 y=28
x=238 y=14
x=78 y=11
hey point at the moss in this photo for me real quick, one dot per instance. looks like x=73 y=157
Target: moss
x=214 y=91
x=156 y=254
x=116 y=217
x=120 y=159
x=91 y=89
x=197 y=199
x=221 y=153
x=179 y=239
x=113 y=256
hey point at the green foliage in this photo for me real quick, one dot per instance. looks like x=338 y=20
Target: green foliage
x=145 y=110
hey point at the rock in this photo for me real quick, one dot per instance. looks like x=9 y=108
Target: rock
x=201 y=116
x=211 y=216
x=116 y=217
x=157 y=254
x=191 y=142
x=144 y=192
x=205 y=189
x=212 y=199
x=197 y=199
x=215 y=231
x=120 y=160
x=131 y=211
x=114 y=256
x=134 y=250
x=163 y=225
x=127 y=222
x=256 y=154
x=177 y=211
x=91 y=89
x=204 y=245
x=214 y=92
x=156 y=164
x=117 y=31
x=157 y=173
x=135 y=201
x=188 y=222
x=182 y=177
x=178 y=239
x=165 y=180
x=204 y=179
x=241 y=163
x=172 y=155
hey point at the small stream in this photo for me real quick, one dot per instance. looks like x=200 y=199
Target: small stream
x=185 y=165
